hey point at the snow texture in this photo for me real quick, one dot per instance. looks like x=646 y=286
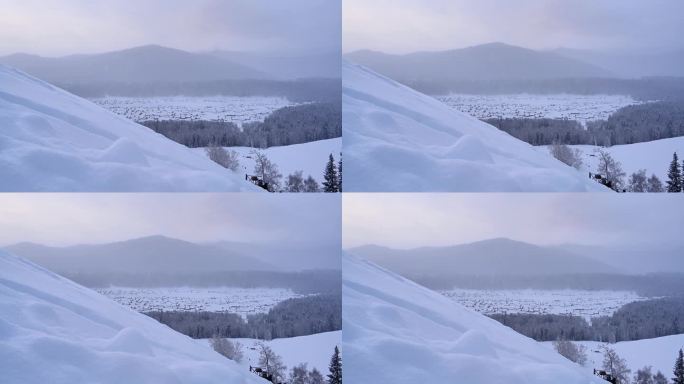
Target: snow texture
x=399 y=140
x=53 y=330
x=51 y=140
x=396 y=331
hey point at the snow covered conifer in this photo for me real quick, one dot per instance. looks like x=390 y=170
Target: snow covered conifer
x=335 y=375
x=659 y=378
x=674 y=175
x=330 y=176
x=339 y=174
x=679 y=369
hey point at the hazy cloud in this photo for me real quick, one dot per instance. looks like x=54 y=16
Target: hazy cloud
x=67 y=219
x=60 y=27
x=413 y=220
x=400 y=26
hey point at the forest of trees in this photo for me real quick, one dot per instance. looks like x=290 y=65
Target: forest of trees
x=634 y=321
x=289 y=125
x=293 y=317
x=628 y=125
x=304 y=282
x=301 y=90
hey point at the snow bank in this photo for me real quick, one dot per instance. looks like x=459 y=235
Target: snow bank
x=55 y=331
x=396 y=331
x=51 y=140
x=399 y=140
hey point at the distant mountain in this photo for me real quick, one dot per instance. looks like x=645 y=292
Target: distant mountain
x=145 y=64
x=631 y=65
x=287 y=258
x=495 y=61
x=148 y=255
x=495 y=257
x=320 y=65
x=634 y=259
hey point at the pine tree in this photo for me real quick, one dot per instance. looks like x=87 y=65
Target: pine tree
x=335 y=375
x=330 y=183
x=679 y=369
x=674 y=175
x=339 y=174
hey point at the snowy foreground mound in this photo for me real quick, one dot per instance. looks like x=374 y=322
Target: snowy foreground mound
x=51 y=140
x=396 y=331
x=400 y=140
x=55 y=331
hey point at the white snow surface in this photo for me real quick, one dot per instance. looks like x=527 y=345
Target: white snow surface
x=659 y=352
x=314 y=350
x=396 y=331
x=53 y=330
x=51 y=140
x=399 y=140
x=310 y=158
x=653 y=156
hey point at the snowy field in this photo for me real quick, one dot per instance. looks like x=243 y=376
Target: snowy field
x=653 y=156
x=308 y=157
x=541 y=302
x=582 y=108
x=214 y=108
x=242 y=301
x=315 y=350
x=660 y=353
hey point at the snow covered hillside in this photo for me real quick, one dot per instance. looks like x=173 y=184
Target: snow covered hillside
x=660 y=353
x=51 y=140
x=396 y=331
x=314 y=350
x=399 y=140
x=653 y=156
x=310 y=158
x=55 y=331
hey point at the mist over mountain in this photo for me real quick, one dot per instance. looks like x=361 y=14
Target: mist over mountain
x=631 y=64
x=289 y=257
x=288 y=67
x=144 y=64
x=495 y=257
x=147 y=255
x=652 y=258
x=494 y=61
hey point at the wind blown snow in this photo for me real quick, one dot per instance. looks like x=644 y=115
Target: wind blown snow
x=51 y=140
x=396 y=331
x=53 y=330
x=399 y=140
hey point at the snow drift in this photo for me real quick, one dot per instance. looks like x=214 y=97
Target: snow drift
x=55 y=331
x=399 y=140
x=396 y=331
x=51 y=140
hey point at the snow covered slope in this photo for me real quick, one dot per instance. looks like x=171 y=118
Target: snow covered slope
x=396 y=331
x=55 y=331
x=399 y=140
x=51 y=140
x=653 y=156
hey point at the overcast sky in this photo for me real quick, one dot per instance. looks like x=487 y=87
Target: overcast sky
x=414 y=220
x=68 y=219
x=401 y=26
x=61 y=27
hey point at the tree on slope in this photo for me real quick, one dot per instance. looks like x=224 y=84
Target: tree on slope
x=339 y=174
x=659 y=378
x=315 y=377
x=566 y=154
x=295 y=182
x=571 y=351
x=611 y=169
x=615 y=365
x=679 y=369
x=331 y=182
x=299 y=374
x=674 y=175
x=643 y=376
x=311 y=185
x=271 y=362
x=335 y=375
x=654 y=184
x=268 y=171
x=638 y=182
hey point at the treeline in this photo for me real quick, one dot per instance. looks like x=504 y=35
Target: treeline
x=645 y=89
x=289 y=318
x=651 y=285
x=286 y=126
x=304 y=282
x=628 y=125
x=634 y=321
x=301 y=90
